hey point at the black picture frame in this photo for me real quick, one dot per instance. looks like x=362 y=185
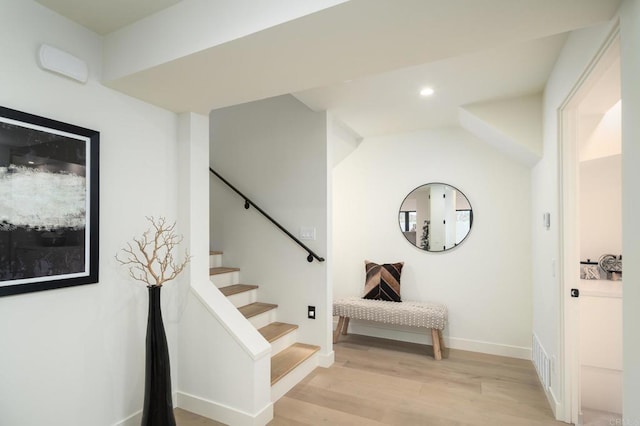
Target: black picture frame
x=49 y=203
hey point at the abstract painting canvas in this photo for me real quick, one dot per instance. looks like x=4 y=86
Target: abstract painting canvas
x=48 y=203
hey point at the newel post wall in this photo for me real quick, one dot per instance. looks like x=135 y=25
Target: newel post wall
x=193 y=191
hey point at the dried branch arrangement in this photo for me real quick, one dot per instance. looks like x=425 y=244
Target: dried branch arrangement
x=150 y=257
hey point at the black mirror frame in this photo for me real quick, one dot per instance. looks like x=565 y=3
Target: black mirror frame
x=470 y=217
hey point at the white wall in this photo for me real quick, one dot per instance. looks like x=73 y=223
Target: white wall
x=75 y=356
x=275 y=152
x=342 y=140
x=630 y=46
x=606 y=137
x=486 y=281
x=512 y=125
x=600 y=207
x=580 y=48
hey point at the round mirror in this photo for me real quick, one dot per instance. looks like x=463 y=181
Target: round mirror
x=435 y=217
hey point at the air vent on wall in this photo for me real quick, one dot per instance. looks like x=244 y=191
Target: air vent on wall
x=58 y=61
x=541 y=362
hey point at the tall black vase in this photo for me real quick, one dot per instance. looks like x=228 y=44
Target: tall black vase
x=158 y=405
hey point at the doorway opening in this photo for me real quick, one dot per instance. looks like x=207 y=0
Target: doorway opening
x=591 y=242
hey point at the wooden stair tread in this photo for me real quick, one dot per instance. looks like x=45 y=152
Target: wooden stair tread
x=275 y=330
x=256 y=308
x=285 y=361
x=214 y=252
x=230 y=290
x=222 y=270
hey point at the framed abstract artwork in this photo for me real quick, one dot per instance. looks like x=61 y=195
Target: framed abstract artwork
x=49 y=203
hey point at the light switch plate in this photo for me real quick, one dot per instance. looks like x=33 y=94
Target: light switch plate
x=307 y=233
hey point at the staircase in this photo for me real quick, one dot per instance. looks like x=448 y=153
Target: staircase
x=290 y=361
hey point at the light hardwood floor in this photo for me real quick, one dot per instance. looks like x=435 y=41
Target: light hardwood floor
x=185 y=418
x=384 y=382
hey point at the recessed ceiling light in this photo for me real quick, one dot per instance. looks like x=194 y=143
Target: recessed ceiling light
x=427 y=91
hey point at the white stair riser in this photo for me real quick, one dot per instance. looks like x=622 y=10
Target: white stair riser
x=284 y=342
x=226 y=279
x=285 y=384
x=244 y=298
x=263 y=319
x=215 y=260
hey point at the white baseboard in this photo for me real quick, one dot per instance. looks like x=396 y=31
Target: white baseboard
x=492 y=348
x=215 y=411
x=553 y=403
x=418 y=335
x=133 y=420
x=136 y=418
x=326 y=360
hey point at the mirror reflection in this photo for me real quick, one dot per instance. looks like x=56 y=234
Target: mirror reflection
x=435 y=217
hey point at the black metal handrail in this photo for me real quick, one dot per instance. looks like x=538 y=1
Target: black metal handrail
x=248 y=203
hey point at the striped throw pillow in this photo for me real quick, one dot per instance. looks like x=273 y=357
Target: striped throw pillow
x=382 y=281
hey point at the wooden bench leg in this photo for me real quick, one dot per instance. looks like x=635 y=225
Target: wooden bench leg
x=336 y=334
x=441 y=339
x=435 y=336
x=345 y=326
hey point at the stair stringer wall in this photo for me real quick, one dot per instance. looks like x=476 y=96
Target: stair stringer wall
x=224 y=364
x=275 y=151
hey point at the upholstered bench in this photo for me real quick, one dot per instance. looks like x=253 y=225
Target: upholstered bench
x=417 y=314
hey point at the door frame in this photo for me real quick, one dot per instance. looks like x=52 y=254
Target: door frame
x=569 y=233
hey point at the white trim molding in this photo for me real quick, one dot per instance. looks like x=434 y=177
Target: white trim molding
x=133 y=420
x=417 y=335
x=326 y=360
x=222 y=413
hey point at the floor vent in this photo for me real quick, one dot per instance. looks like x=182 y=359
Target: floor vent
x=541 y=362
